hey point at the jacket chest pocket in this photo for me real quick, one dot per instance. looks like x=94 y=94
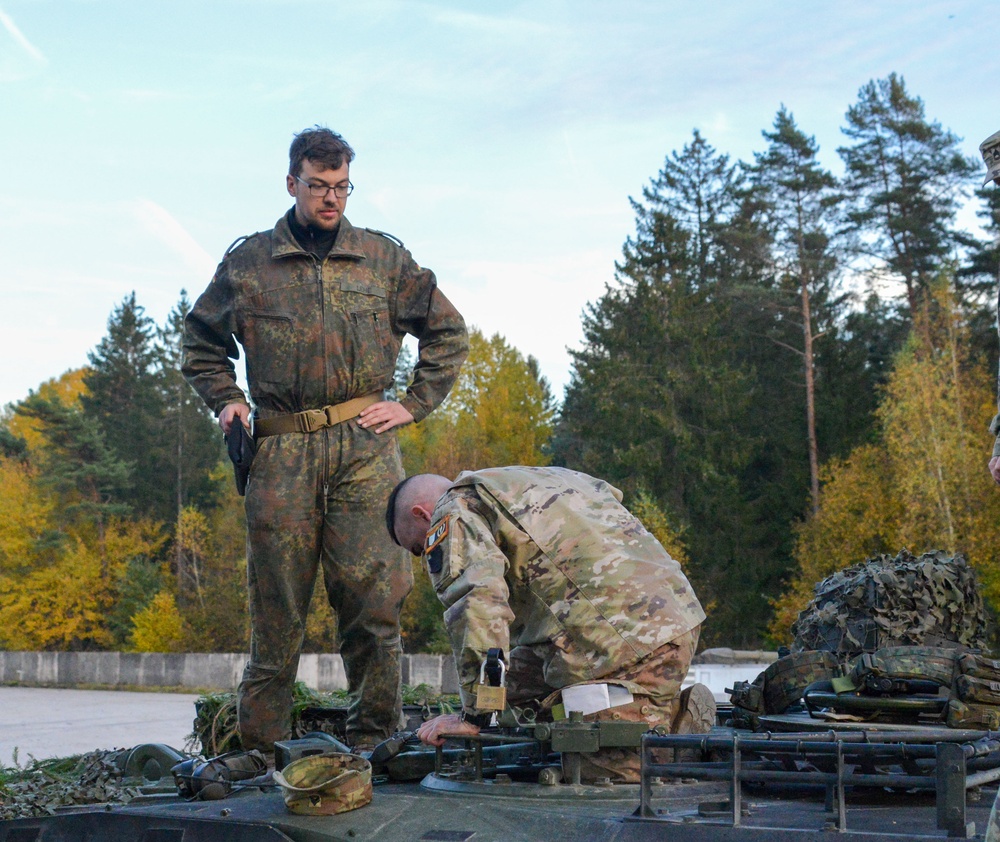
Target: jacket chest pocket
x=366 y=308
x=272 y=347
x=372 y=324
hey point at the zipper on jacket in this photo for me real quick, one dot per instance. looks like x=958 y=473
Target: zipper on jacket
x=322 y=315
x=326 y=383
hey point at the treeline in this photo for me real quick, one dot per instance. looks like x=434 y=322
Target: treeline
x=753 y=348
x=789 y=372
x=123 y=530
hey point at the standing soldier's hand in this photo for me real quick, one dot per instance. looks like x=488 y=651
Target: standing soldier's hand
x=385 y=414
x=995 y=468
x=231 y=411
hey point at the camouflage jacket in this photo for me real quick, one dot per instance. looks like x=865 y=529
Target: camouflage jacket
x=318 y=333
x=549 y=559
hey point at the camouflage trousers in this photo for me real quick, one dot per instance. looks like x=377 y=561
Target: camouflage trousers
x=316 y=501
x=660 y=674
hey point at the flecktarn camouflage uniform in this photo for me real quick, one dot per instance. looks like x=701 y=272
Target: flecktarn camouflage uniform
x=318 y=333
x=547 y=564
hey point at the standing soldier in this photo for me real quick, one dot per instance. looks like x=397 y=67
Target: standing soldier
x=546 y=565
x=320 y=308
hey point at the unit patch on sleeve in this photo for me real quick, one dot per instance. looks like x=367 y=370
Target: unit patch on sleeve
x=432 y=546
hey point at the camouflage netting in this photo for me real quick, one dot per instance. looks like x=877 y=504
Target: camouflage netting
x=930 y=600
x=42 y=787
x=217 y=731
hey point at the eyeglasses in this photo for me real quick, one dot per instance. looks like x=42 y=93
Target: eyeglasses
x=320 y=191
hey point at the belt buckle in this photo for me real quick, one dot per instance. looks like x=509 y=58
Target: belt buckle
x=313 y=420
x=332 y=415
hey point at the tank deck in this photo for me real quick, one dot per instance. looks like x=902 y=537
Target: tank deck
x=429 y=812
x=789 y=784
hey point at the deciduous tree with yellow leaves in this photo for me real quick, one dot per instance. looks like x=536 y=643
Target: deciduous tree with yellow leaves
x=923 y=484
x=500 y=412
x=159 y=627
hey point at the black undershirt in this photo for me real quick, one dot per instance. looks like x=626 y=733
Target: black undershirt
x=314 y=240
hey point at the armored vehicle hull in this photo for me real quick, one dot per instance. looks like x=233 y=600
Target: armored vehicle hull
x=865 y=783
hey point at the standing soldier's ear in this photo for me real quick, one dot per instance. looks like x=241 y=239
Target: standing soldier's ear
x=421 y=512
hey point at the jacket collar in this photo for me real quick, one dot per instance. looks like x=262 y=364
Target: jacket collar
x=347 y=244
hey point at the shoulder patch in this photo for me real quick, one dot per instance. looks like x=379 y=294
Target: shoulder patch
x=433 y=551
x=436 y=535
x=237 y=242
x=435 y=560
x=396 y=240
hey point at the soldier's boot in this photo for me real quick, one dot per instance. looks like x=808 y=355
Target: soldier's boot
x=265 y=776
x=696 y=715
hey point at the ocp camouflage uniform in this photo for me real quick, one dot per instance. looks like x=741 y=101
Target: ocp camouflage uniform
x=317 y=333
x=547 y=564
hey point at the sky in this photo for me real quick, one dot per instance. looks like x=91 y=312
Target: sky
x=500 y=141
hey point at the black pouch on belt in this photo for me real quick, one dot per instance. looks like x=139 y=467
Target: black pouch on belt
x=241 y=449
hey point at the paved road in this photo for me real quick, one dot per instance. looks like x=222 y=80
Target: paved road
x=44 y=722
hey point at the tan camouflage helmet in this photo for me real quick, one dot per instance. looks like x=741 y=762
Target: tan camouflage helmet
x=990 y=150
x=326 y=784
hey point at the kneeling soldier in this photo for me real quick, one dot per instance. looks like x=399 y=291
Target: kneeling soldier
x=547 y=565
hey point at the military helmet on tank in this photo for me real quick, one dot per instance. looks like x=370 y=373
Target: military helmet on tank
x=990 y=150
x=326 y=784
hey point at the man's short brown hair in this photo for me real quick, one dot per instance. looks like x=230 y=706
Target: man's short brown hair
x=321 y=146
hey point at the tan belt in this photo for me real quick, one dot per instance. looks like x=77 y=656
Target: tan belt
x=312 y=420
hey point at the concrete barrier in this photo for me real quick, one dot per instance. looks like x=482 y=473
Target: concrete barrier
x=195 y=671
x=222 y=671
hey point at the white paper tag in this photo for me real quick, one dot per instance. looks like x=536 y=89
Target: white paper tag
x=591 y=698
x=586 y=698
x=618 y=695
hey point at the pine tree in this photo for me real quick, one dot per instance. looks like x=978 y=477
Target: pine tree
x=124 y=401
x=979 y=275
x=195 y=442
x=799 y=203
x=906 y=176
x=77 y=465
x=664 y=387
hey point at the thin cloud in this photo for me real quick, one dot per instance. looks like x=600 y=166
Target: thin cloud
x=496 y=26
x=142 y=95
x=159 y=222
x=19 y=37
x=533 y=291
